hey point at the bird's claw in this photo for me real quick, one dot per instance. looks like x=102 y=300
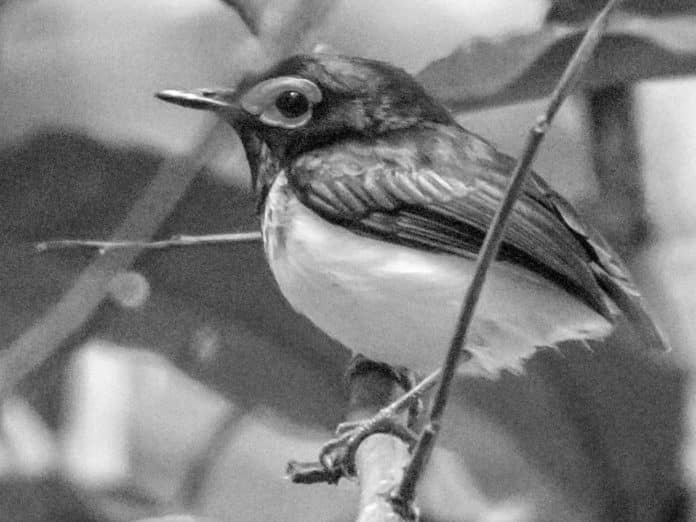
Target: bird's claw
x=338 y=454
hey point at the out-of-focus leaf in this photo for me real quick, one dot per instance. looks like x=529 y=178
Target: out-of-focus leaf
x=573 y=11
x=249 y=11
x=41 y=500
x=283 y=25
x=152 y=45
x=29 y=448
x=413 y=33
x=482 y=72
x=494 y=72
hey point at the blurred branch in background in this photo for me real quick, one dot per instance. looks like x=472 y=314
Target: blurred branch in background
x=198 y=473
x=621 y=215
x=35 y=345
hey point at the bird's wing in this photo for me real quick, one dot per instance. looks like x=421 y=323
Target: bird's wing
x=610 y=272
x=439 y=190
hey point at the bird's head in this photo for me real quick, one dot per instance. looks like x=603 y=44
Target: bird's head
x=307 y=101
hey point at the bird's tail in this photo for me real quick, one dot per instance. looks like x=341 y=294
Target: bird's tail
x=631 y=303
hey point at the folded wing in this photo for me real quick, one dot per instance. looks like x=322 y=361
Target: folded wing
x=438 y=187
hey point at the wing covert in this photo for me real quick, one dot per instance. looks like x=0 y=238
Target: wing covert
x=438 y=188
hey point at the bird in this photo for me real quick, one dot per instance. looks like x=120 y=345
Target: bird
x=374 y=203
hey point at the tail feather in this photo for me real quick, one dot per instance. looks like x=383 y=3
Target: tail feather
x=631 y=303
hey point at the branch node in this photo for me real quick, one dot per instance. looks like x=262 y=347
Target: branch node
x=541 y=126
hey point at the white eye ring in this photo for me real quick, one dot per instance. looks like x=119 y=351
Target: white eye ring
x=261 y=100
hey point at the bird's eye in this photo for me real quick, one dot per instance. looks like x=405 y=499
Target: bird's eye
x=292 y=104
x=285 y=101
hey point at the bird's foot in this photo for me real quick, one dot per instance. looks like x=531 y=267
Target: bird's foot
x=373 y=386
x=377 y=386
x=337 y=456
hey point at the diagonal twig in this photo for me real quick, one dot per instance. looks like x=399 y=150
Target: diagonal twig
x=403 y=497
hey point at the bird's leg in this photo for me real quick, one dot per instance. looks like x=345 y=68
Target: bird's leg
x=401 y=377
x=374 y=387
x=379 y=394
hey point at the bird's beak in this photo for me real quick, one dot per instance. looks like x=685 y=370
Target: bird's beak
x=222 y=101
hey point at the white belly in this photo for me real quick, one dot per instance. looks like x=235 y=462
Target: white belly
x=399 y=305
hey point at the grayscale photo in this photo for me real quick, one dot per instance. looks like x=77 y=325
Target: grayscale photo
x=347 y=261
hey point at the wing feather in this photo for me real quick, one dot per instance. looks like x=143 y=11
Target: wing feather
x=439 y=187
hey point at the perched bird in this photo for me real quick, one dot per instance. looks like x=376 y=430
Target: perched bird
x=375 y=202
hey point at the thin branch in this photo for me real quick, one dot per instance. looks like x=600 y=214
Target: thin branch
x=414 y=393
x=174 y=241
x=406 y=492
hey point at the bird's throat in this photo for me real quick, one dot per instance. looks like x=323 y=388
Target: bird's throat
x=264 y=165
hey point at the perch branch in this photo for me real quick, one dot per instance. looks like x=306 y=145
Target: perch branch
x=379 y=463
x=403 y=497
x=381 y=458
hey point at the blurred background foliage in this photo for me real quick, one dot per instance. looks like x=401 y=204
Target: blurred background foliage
x=178 y=381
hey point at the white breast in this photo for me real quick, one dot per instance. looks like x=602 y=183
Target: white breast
x=399 y=305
